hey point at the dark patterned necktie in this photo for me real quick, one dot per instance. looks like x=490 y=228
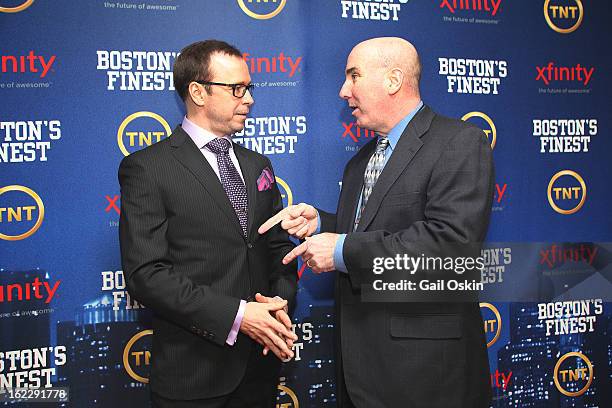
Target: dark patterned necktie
x=230 y=179
x=372 y=172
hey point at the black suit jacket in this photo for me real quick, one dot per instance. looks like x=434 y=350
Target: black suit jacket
x=437 y=186
x=184 y=256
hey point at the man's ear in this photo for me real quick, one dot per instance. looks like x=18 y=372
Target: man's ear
x=394 y=80
x=197 y=93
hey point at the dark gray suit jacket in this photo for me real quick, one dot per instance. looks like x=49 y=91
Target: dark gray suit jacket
x=185 y=257
x=437 y=186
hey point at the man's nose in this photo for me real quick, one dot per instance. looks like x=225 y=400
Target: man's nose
x=344 y=91
x=247 y=99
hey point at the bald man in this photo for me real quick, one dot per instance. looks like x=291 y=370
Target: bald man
x=426 y=179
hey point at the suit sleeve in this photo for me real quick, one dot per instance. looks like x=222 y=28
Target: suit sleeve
x=150 y=275
x=328 y=221
x=283 y=278
x=457 y=210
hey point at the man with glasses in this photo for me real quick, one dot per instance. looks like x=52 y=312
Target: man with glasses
x=190 y=207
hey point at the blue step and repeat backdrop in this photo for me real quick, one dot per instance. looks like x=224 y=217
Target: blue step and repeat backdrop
x=85 y=83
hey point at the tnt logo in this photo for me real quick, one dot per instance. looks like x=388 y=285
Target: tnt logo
x=573 y=374
x=484 y=122
x=141 y=129
x=562 y=17
x=137 y=356
x=492 y=322
x=285 y=191
x=262 y=9
x=567 y=192
x=4 y=8
x=355 y=133
x=286 y=398
x=21 y=212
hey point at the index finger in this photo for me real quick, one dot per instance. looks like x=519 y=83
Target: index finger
x=278 y=327
x=278 y=343
x=295 y=252
x=272 y=221
x=284 y=318
x=274 y=306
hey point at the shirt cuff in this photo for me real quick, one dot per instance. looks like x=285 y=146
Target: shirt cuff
x=338 y=257
x=233 y=334
x=318 y=230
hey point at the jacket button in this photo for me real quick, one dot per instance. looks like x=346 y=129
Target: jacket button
x=250 y=246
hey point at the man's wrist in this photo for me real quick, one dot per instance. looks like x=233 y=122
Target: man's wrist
x=318 y=230
x=339 y=264
x=233 y=334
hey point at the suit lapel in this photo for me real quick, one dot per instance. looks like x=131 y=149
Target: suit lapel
x=249 y=172
x=188 y=154
x=407 y=147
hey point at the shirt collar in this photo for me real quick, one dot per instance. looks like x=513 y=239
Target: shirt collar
x=396 y=132
x=200 y=136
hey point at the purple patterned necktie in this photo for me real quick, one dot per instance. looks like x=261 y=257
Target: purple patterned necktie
x=230 y=179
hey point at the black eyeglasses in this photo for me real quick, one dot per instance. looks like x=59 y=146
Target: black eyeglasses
x=238 y=90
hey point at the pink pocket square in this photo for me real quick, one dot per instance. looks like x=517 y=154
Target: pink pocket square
x=265 y=180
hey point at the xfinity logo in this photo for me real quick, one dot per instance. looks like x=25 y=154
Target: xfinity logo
x=27 y=63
